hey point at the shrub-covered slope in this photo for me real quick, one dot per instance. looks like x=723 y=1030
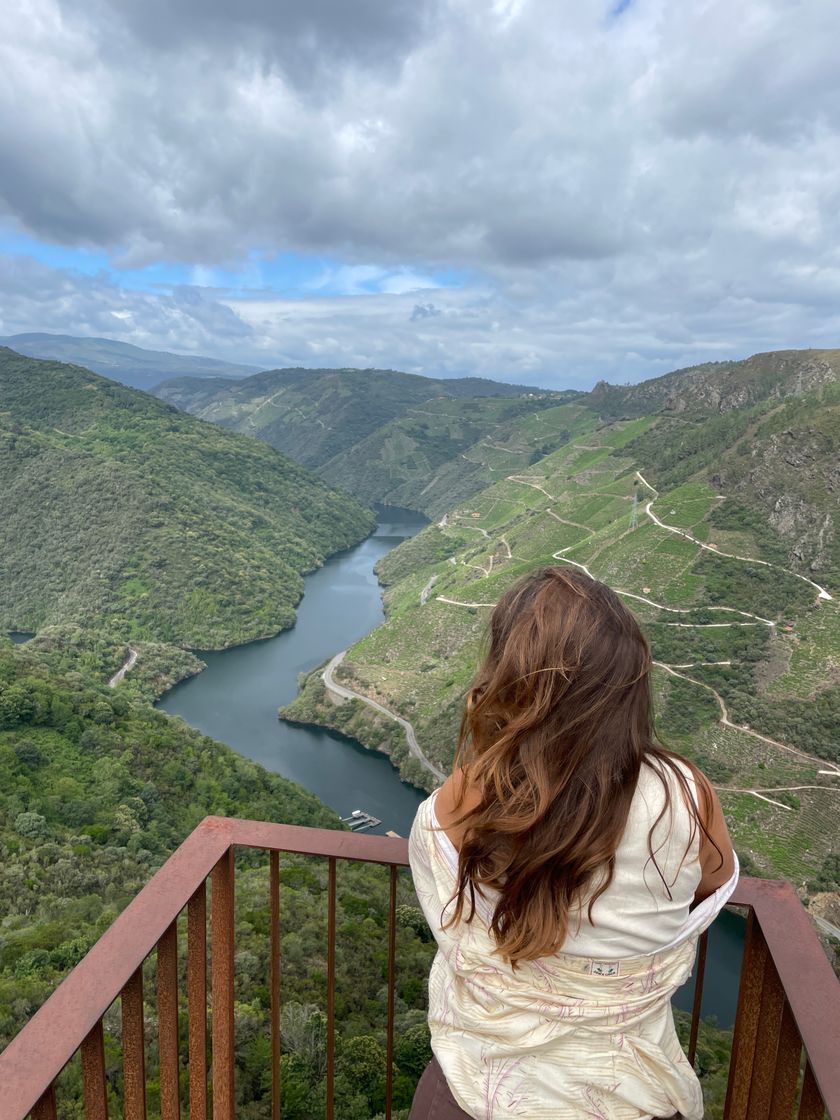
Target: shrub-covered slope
x=720 y=387
x=315 y=414
x=95 y=793
x=122 y=512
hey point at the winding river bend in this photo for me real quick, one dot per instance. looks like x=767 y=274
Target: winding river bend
x=236 y=699
x=237 y=696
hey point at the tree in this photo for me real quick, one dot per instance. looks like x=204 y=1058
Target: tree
x=31 y=825
x=362 y=1062
x=413 y=1051
x=16 y=706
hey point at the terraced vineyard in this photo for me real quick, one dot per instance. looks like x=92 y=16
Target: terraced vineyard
x=747 y=648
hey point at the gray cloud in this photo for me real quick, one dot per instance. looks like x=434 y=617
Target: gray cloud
x=424 y=311
x=450 y=131
x=623 y=192
x=309 y=40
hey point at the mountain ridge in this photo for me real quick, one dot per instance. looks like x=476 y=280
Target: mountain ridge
x=131 y=365
x=316 y=414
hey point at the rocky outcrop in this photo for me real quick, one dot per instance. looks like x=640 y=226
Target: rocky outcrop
x=720 y=387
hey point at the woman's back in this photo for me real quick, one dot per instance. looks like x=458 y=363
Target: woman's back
x=564 y=870
x=586 y=1031
x=646 y=904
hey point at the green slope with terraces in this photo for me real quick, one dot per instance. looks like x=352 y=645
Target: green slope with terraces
x=678 y=511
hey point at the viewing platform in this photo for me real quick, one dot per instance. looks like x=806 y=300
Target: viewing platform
x=785 y=1058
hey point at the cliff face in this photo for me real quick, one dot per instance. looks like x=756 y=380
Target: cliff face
x=720 y=387
x=791 y=472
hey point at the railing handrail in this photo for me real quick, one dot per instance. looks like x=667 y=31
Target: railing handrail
x=797 y=954
x=56 y=1031
x=53 y=1035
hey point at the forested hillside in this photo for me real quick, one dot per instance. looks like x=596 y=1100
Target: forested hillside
x=120 y=512
x=315 y=415
x=96 y=790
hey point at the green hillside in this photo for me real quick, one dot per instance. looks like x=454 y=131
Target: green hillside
x=314 y=415
x=121 y=512
x=719 y=387
x=720 y=530
x=440 y=453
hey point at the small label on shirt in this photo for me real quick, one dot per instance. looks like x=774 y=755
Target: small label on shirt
x=603 y=968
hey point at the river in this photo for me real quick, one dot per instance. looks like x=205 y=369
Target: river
x=237 y=696
x=236 y=699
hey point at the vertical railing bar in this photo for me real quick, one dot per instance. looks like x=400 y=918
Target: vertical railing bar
x=274 y=890
x=197 y=1001
x=786 y=1075
x=167 y=994
x=392 y=956
x=224 y=1100
x=45 y=1109
x=134 y=1048
x=702 y=948
x=766 y=1040
x=94 y=1089
x=811 y=1105
x=330 y=987
x=746 y=1021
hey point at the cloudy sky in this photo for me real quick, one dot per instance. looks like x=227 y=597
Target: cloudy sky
x=545 y=191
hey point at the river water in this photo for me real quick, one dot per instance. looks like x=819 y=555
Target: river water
x=236 y=699
x=237 y=696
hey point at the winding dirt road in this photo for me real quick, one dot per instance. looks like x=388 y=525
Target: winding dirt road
x=673 y=670
x=725 y=721
x=124 y=668
x=821 y=591
x=349 y=694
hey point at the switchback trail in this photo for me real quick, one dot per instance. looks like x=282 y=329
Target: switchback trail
x=349 y=694
x=727 y=722
x=821 y=591
x=673 y=670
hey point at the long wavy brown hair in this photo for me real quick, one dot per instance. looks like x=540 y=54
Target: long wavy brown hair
x=558 y=722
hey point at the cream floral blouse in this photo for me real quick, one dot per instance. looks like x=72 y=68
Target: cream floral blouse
x=581 y=1033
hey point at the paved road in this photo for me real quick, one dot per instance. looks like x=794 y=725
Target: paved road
x=348 y=694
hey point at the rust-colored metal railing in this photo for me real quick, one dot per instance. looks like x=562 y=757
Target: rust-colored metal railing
x=786 y=1044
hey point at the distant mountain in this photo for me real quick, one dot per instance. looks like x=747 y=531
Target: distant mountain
x=436 y=456
x=131 y=365
x=120 y=512
x=315 y=414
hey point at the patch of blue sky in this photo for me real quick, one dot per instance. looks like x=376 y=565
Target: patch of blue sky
x=286 y=274
x=619 y=8
x=92 y=262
